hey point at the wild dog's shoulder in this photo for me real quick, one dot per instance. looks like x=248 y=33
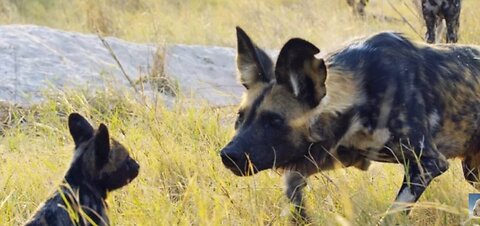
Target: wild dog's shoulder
x=377 y=41
x=389 y=39
x=378 y=48
x=459 y=50
x=452 y=62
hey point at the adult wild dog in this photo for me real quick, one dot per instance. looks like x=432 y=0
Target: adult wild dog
x=100 y=165
x=381 y=98
x=434 y=11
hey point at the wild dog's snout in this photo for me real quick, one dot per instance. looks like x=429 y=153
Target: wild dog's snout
x=231 y=157
x=134 y=167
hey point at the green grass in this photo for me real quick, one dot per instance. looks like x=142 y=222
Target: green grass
x=182 y=180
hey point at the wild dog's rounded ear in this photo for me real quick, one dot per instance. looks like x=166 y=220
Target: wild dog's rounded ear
x=253 y=63
x=300 y=71
x=80 y=128
x=102 y=145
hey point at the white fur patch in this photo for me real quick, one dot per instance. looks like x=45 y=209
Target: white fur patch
x=355 y=126
x=358 y=46
x=403 y=200
x=433 y=120
x=343 y=91
x=386 y=107
x=358 y=136
x=295 y=85
x=405 y=197
x=79 y=151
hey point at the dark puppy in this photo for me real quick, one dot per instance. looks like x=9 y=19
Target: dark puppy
x=100 y=165
x=434 y=11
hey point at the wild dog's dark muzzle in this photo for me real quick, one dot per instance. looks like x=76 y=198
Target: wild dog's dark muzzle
x=234 y=157
x=123 y=175
x=133 y=167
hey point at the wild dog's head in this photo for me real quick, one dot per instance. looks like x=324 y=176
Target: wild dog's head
x=269 y=128
x=99 y=161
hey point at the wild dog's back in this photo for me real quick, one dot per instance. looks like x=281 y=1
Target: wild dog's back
x=396 y=79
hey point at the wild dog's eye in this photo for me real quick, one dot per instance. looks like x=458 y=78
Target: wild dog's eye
x=240 y=118
x=274 y=120
x=277 y=121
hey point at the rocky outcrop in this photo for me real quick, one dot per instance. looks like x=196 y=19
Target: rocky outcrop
x=35 y=60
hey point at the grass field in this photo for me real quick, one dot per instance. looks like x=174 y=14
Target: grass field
x=182 y=180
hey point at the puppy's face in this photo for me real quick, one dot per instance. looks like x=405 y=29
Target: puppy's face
x=98 y=160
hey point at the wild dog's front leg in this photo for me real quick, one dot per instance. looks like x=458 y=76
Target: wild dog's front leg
x=430 y=21
x=295 y=182
x=452 y=18
x=419 y=172
x=317 y=159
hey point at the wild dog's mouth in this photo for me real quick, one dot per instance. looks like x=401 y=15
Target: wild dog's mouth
x=247 y=171
x=245 y=168
x=135 y=168
x=122 y=176
x=240 y=164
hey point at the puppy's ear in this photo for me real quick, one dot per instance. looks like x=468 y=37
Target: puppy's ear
x=301 y=72
x=102 y=145
x=80 y=128
x=253 y=64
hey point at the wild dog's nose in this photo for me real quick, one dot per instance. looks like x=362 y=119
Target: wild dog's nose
x=134 y=166
x=231 y=159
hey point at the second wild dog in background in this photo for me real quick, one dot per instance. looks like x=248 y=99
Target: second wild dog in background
x=434 y=12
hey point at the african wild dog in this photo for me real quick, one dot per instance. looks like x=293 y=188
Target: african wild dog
x=434 y=12
x=268 y=129
x=100 y=165
x=381 y=98
x=358 y=6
